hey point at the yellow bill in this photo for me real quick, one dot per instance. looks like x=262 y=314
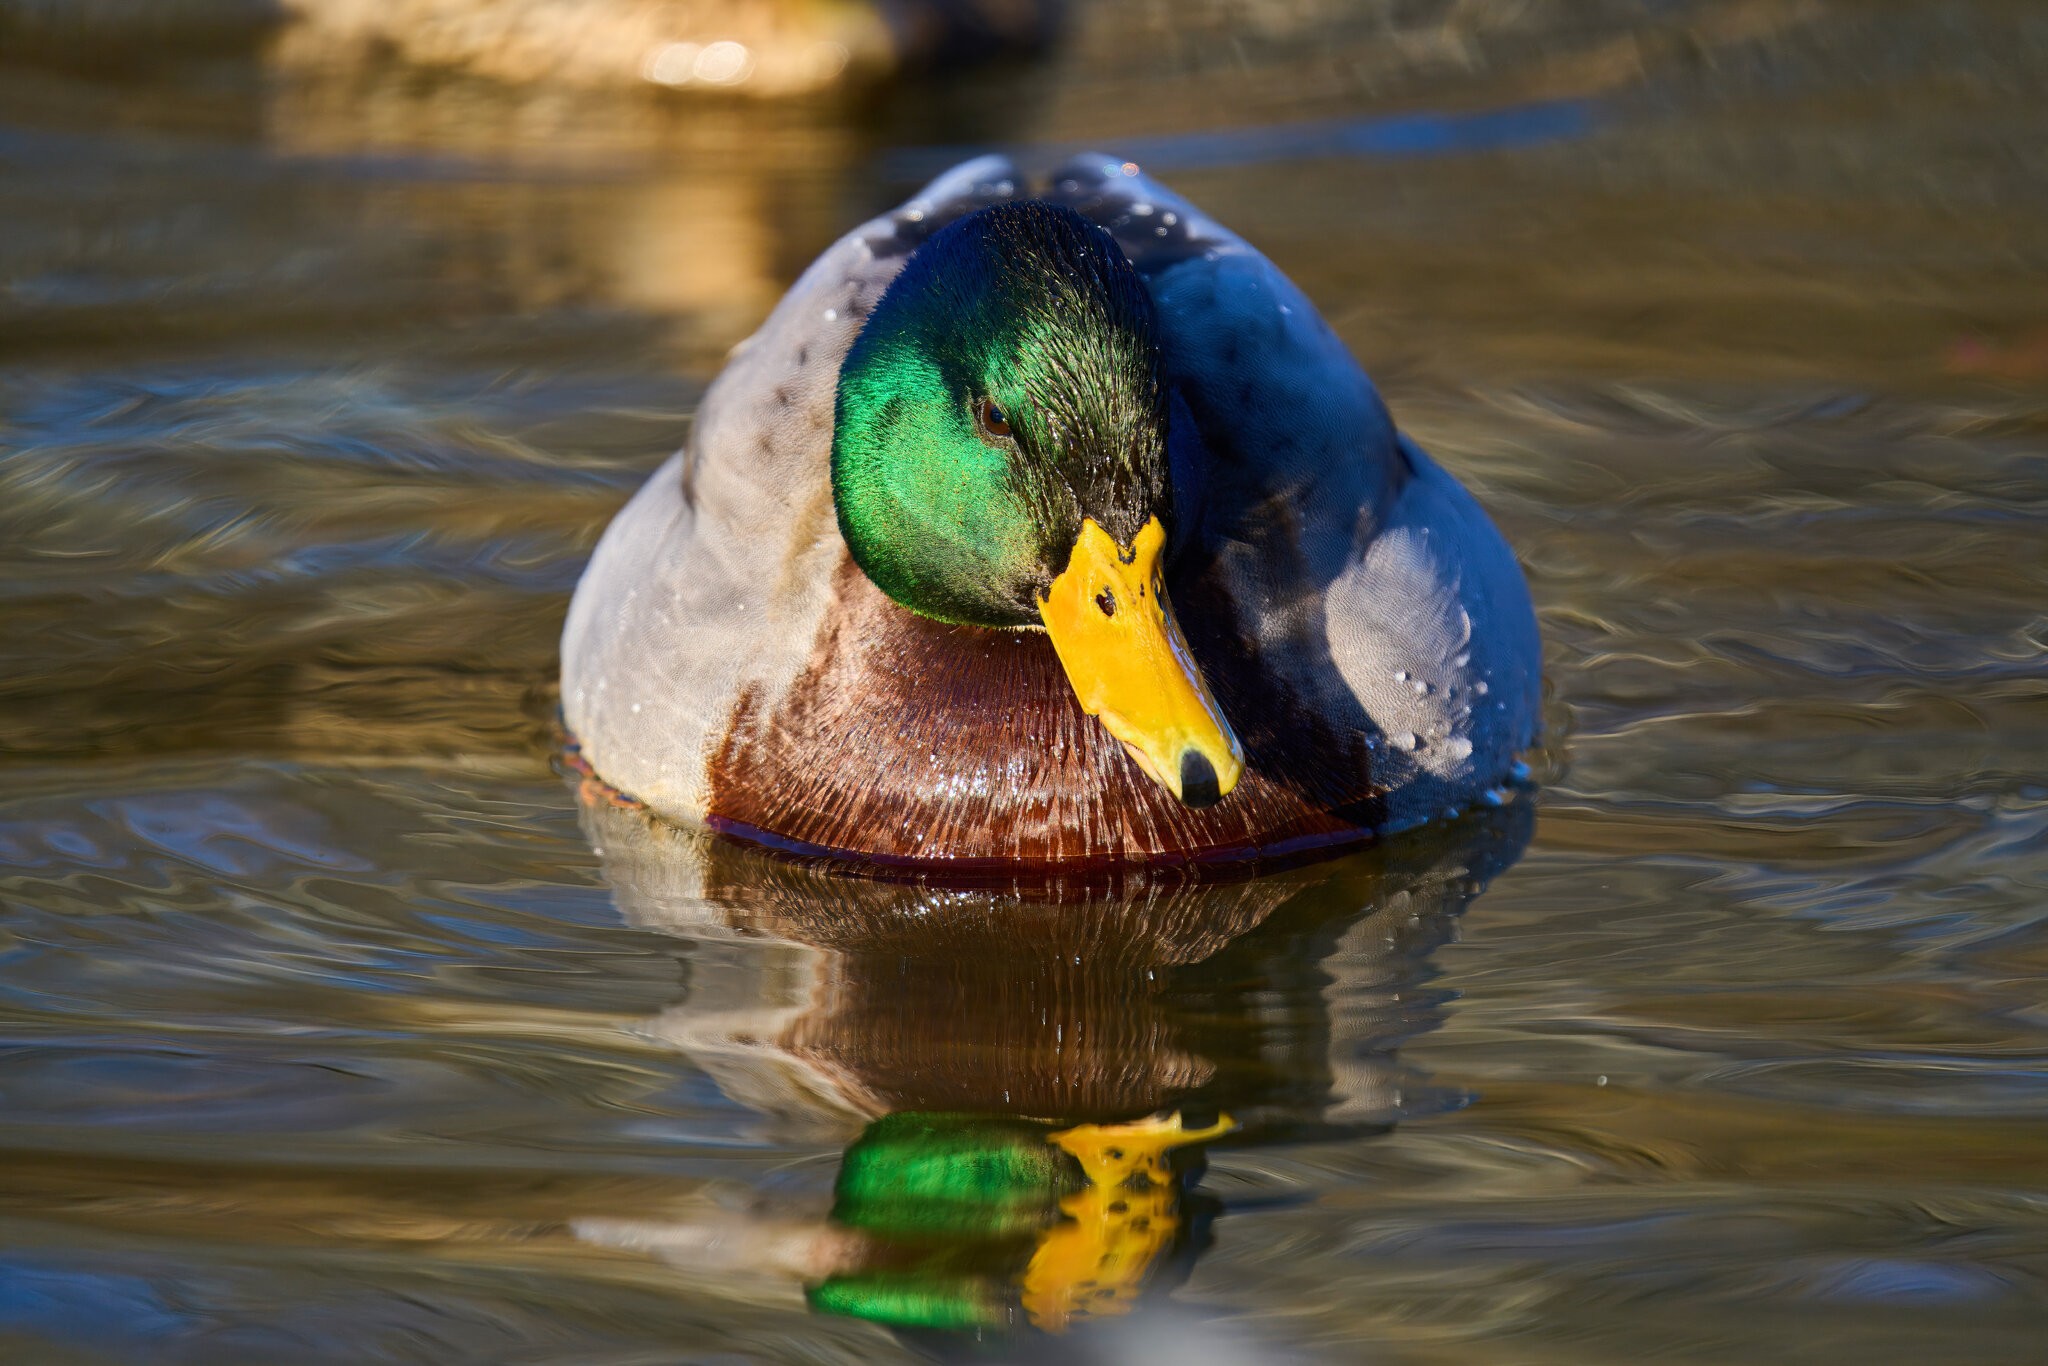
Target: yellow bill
x=1114 y=632
x=1093 y=1262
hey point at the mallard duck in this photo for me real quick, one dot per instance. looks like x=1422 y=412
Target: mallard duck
x=1046 y=522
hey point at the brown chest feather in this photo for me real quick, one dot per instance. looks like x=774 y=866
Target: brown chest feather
x=909 y=740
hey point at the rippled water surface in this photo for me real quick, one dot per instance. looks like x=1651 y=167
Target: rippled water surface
x=335 y=1028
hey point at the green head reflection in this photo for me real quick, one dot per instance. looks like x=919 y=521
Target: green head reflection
x=976 y=1221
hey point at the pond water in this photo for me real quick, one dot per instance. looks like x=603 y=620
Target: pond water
x=334 y=1027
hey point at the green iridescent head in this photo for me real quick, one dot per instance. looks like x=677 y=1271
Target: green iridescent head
x=1004 y=390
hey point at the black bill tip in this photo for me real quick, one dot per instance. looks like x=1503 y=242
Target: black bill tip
x=1198 y=780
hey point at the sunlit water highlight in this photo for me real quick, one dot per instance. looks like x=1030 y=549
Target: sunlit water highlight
x=333 y=1028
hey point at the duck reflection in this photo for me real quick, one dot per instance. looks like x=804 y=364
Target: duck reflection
x=1022 y=1076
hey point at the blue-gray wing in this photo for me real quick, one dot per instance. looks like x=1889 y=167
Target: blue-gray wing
x=1354 y=565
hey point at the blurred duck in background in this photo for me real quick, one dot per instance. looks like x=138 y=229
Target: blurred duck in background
x=760 y=48
x=1022 y=1077
x=1045 y=521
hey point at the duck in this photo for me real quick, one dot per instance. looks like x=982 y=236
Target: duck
x=1045 y=523
x=745 y=49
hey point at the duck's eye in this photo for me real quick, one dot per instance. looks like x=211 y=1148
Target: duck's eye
x=993 y=420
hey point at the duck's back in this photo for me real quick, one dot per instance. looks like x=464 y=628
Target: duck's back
x=1363 y=625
